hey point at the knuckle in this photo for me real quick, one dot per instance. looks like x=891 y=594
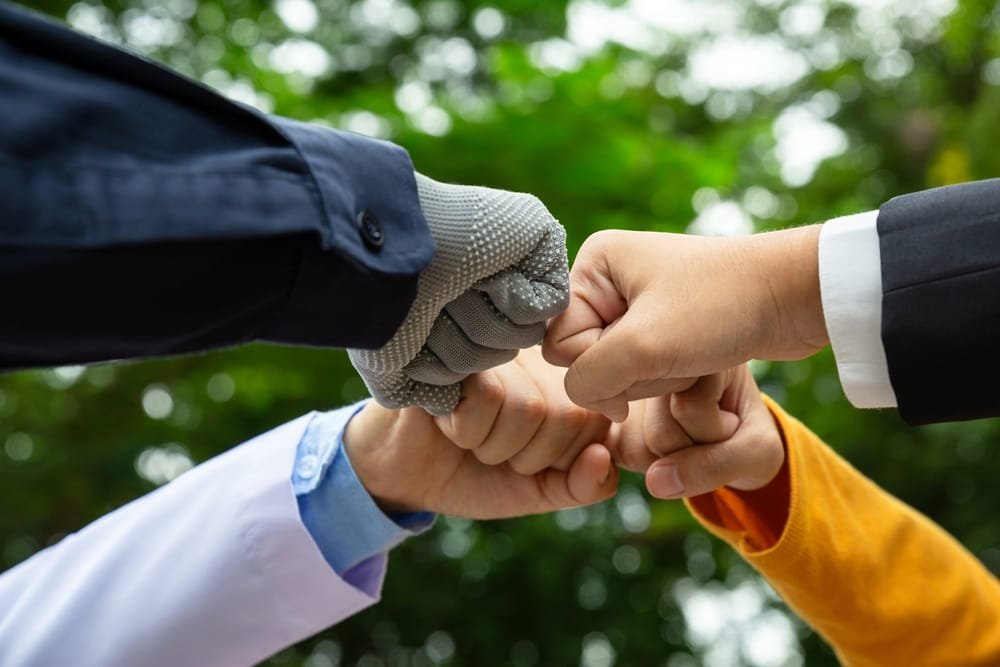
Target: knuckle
x=535 y=208
x=532 y=201
x=571 y=418
x=599 y=241
x=466 y=439
x=590 y=251
x=686 y=407
x=489 y=389
x=531 y=408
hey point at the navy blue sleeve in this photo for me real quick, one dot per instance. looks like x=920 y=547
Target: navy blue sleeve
x=143 y=214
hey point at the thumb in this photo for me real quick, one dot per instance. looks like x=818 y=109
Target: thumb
x=698 y=410
x=592 y=478
x=748 y=460
x=601 y=375
x=595 y=302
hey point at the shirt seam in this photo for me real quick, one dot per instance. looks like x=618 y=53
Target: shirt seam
x=941 y=279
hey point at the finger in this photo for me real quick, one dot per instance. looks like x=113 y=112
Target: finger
x=662 y=435
x=657 y=388
x=397 y=390
x=472 y=420
x=484 y=325
x=567 y=427
x=627 y=445
x=519 y=418
x=595 y=302
x=435 y=400
x=538 y=287
x=564 y=351
x=749 y=460
x=601 y=376
x=592 y=478
x=698 y=410
x=428 y=369
x=554 y=441
x=615 y=408
x=574 y=332
x=459 y=354
x=523 y=300
x=565 y=431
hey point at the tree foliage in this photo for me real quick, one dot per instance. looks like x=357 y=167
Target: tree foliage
x=638 y=115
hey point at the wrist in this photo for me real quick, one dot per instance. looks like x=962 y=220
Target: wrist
x=369 y=441
x=790 y=304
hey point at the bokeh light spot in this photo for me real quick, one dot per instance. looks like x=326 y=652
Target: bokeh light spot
x=157 y=402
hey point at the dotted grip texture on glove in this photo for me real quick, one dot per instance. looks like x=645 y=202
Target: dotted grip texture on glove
x=500 y=271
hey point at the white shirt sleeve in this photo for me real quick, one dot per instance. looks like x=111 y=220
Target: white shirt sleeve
x=215 y=568
x=850 y=276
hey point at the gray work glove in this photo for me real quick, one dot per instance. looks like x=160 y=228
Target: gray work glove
x=499 y=273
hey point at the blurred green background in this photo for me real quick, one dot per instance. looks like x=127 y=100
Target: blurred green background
x=711 y=116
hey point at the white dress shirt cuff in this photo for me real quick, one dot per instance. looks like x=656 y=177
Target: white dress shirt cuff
x=850 y=276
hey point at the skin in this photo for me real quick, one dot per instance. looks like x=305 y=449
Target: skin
x=717 y=433
x=515 y=445
x=650 y=311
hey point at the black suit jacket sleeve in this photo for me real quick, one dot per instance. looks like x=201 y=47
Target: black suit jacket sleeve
x=940 y=252
x=143 y=214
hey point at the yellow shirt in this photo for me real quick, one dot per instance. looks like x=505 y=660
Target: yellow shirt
x=879 y=581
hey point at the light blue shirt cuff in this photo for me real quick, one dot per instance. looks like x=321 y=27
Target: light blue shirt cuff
x=343 y=519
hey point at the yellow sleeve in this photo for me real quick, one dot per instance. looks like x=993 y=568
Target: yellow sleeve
x=879 y=581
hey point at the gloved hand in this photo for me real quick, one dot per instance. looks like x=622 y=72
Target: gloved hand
x=499 y=273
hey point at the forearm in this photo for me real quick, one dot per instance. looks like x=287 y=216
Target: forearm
x=882 y=583
x=900 y=287
x=786 y=287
